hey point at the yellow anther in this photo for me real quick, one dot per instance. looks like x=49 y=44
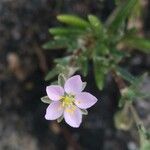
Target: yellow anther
x=68 y=102
x=78 y=102
x=71 y=109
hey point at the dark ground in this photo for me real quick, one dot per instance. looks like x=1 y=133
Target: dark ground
x=23 y=65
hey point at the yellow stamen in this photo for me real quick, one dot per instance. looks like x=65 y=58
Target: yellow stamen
x=71 y=109
x=68 y=103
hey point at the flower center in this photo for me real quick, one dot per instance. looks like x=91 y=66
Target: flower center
x=68 y=103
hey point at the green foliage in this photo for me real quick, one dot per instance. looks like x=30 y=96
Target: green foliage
x=125 y=75
x=138 y=43
x=145 y=145
x=127 y=94
x=93 y=40
x=137 y=10
x=73 y=21
x=132 y=92
x=46 y=100
x=61 y=79
x=101 y=49
x=61 y=31
x=96 y=25
x=120 y=15
x=51 y=74
x=144 y=137
x=83 y=64
x=99 y=72
x=57 y=44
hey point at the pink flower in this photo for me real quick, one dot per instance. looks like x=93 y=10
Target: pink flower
x=69 y=101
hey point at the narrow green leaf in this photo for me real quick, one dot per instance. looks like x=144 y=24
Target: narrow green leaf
x=120 y=15
x=55 y=44
x=83 y=63
x=64 y=31
x=55 y=82
x=51 y=74
x=61 y=79
x=138 y=43
x=99 y=74
x=63 y=61
x=96 y=24
x=137 y=11
x=118 y=55
x=101 y=49
x=69 y=41
x=126 y=75
x=73 y=21
x=46 y=100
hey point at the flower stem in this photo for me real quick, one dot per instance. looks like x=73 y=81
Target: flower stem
x=135 y=115
x=121 y=85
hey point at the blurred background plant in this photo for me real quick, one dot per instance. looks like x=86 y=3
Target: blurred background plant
x=104 y=45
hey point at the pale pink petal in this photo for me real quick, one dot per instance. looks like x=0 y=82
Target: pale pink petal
x=55 y=92
x=73 y=117
x=85 y=100
x=73 y=85
x=54 y=111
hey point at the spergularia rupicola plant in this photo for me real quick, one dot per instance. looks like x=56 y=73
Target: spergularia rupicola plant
x=69 y=102
x=105 y=45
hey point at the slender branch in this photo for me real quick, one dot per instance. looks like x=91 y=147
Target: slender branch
x=121 y=84
x=140 y=125
x=135 y=115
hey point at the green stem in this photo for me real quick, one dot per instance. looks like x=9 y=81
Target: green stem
x=135 y=115
x=139 y=124
x=141 y=129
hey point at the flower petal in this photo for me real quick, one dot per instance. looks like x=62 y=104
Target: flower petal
x=54 y=92
x=85 y=100
x=54 y=111
x=73 y=117
x=73 y=85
